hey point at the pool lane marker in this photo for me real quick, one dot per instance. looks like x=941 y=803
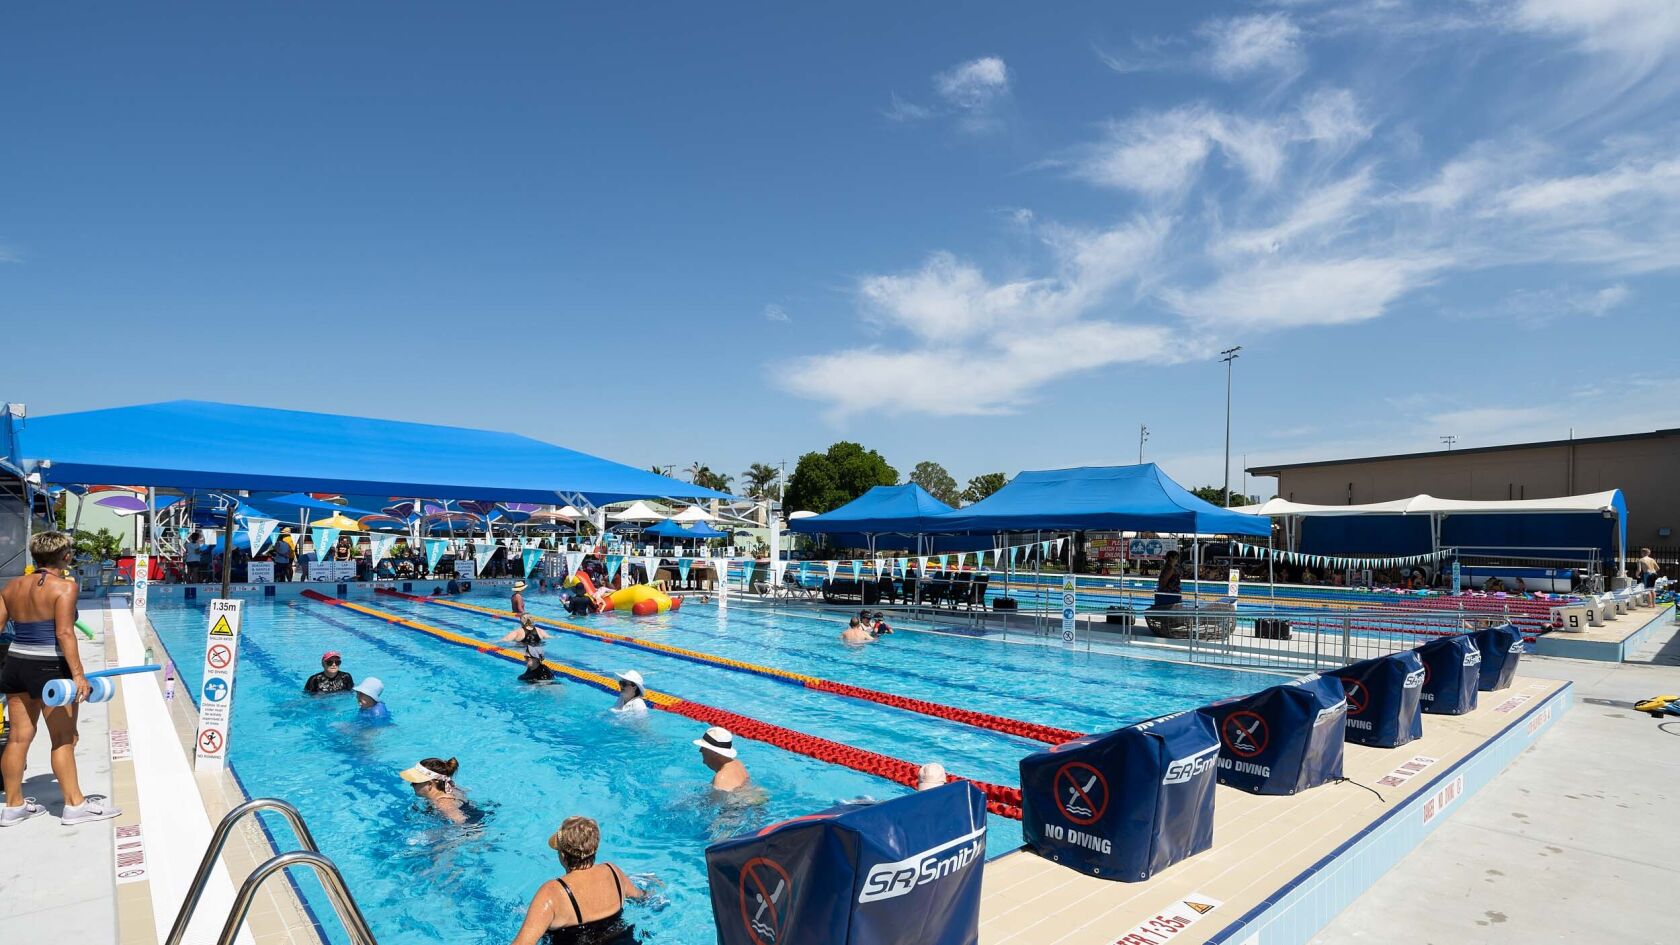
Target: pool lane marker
x=996 y=723
x=1000 y=800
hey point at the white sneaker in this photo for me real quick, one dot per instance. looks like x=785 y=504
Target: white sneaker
x=12 y=816
x=93 y=807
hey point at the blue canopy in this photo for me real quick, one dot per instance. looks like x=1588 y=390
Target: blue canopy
x=672 y=529
x=1116 y=498
x=190 y=444
x=901 y=510
x=307 y=501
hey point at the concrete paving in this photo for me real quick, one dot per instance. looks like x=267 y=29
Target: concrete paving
x=56 y=882
x=1576 y=842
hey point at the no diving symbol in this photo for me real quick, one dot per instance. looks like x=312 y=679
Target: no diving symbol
x=219 y=657
x=1081 y=792
x=766 y=900
x=1357 y=695
x=1244 y=733
x=210 y=741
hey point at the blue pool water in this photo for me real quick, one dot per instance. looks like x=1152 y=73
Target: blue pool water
x=532 y=755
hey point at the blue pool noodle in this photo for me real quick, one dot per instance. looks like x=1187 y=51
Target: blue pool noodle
x=61 y=692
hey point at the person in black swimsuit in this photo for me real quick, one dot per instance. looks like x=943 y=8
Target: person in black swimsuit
x=330 y=679
x=531 y=639
x=586 y=906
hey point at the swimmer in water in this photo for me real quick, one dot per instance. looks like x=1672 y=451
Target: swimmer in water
x=531 y=639
x=878 y=625
x=373 y=711
x=517 y=602
x=330 y=679
x=632 y=697
x=717 y=750
x=597 y=890
x=855 y=634
x=930 y=776
x=433 y=780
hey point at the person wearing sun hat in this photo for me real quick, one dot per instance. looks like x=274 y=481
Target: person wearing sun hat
x=717 y=750
x=632 y=696
x=368 y=696
x=330 y=679
x=433 y=780
x=518 y=600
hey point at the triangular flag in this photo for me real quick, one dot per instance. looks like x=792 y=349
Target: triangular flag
x=651 y=566
x=260 y=530
x=379 y=546
x=857 y=569
x=529 y=557
x=1013 y=551
x=683 y=567
x=748 y=566
x=832 y=567
x=903 y=565
x=482 y=553
x=574 y=561
x=324 y=538
x=921 y=565
x=434 y=551
x=941 y=560
x=613 y=563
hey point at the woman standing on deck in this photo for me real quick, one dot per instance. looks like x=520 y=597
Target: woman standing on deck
x=1168 y=590
x=42 y=609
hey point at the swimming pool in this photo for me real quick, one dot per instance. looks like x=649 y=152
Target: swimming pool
x=531 y=755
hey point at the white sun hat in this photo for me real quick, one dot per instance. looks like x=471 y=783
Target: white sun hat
x=930 y=776
x=718 y=740
x=371 y=687
x=634 y=678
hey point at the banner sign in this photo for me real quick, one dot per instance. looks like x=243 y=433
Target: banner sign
x=1126 y=804
x=260 y=530
x=1070 y=607
x=1151 y=548
x=329 y=572
x=1281 y=740
x=1452 y=671
x=482 y=553
x=901 y=872
x=434 y=551
x=215 y=704
x=259 y=572
x=1383 y=699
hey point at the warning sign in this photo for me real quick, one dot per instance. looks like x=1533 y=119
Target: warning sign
x=130 y=849
x=1170 y=923
x=215 y=707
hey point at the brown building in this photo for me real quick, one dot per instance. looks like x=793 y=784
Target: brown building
x=1645 y=466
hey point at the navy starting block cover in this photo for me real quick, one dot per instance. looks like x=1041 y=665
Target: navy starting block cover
x=1126 y=804
x=1501 y=648
x=1281 y=740
x=1452 y=669
x=895 y=873
x=1382 y=697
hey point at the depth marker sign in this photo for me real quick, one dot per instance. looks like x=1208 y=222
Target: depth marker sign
x=1070 y=602
x=215 y=704
x=142 y=577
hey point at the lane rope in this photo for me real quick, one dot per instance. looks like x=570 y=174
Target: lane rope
x=1001 y=800
x=1032 y=730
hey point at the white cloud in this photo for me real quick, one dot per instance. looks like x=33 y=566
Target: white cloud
x=1593 y=195
x=1636 y=27
x=1244 y=45
x=1539 y=307
x=1291 y=294
x=1324 y=212
x=775 y=313
x=974 y=84
x=901 y=110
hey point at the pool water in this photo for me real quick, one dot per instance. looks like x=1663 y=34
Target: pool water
x=532 y=755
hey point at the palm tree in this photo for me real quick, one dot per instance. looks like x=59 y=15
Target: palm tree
x=761 y=478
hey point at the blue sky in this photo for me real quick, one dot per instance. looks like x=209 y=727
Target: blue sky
x=996 y=235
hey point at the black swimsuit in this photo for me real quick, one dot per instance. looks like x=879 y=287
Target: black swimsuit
x=612 y=930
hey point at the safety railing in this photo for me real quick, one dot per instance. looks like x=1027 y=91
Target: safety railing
x=344 y=904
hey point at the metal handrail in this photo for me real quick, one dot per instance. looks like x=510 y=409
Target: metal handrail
x=349 y=914
x=310 y=854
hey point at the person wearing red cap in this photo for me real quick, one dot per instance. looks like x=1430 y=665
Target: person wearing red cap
x=330 y=678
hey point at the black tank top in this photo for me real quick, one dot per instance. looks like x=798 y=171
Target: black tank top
x=612 y=930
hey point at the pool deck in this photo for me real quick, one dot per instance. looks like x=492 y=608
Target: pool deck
x=1280 y=867
x=1611 y=643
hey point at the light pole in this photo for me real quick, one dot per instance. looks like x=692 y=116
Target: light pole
x=1449 y=439
x=1228 y=355
x=1143 y=434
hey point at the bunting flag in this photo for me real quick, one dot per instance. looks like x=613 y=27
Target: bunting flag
x=183 y=532
x=379 y=546
x=434 y=551
x=921 y=565
x=832 y=566
x=260 y=530
x=857 y=569
x=903 y=566
x=1058 y=546
x=941 y=560
x=651 y=566
x=529 y=557
x=324 y=538
x=613 y=563
x=684 y=565
x=1013 y=549
x=574 y=561
x=747 y=568
x=482 y=554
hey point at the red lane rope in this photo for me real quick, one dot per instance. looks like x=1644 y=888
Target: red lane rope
x=1000 y=800
x=1043 y=733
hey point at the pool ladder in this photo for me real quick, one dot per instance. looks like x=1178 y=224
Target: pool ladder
x=349 y=915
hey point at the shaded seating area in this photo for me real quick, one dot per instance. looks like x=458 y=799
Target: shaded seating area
x=1215 y=621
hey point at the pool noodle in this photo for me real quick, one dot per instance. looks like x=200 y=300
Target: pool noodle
x=62 y=692
x=84 y=628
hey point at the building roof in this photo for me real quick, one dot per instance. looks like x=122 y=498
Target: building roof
x=1274 y=468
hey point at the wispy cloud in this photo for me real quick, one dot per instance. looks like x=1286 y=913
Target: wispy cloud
x=971 y=93
x=901 y=110
x=775 y=313
x=1245 y=45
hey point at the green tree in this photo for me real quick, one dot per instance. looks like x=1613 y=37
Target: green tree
x=761 y=481
x=933 y=477
x=981 y=486
x=1216 y=495
x=97 y=546
x=822 y=482
x=702 y=475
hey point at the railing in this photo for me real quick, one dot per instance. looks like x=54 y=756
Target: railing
x=349 y=914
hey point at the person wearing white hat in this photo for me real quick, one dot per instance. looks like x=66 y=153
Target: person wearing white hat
x=368 y=693
x=433 y=780
x=632 y=696
x=930 y=776
x=518 y=600
x=717 y=750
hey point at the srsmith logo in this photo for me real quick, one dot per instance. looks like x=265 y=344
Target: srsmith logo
x=890 y=880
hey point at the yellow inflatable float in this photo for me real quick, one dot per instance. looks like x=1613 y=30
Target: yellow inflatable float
x=643 y=600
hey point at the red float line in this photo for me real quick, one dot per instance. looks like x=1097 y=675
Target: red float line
x=1043 y=733
x=1000 y=800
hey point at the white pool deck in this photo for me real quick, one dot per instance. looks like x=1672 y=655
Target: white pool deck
x=1579 y=831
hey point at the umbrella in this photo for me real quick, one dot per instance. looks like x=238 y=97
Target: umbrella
x=693 y=513
x=339 y=521
x=638 y=511
x=302 y=501
x=386 y=522
x=550 y=516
